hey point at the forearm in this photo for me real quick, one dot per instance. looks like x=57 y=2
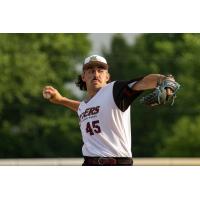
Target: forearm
x=56 y=98
x=69 y=103
x=148 y=82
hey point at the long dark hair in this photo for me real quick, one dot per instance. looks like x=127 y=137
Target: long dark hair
x=82 y=85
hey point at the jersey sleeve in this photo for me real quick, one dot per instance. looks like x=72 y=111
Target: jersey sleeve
x=123 y=94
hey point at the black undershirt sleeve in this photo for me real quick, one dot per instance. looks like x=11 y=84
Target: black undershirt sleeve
x=124 y=95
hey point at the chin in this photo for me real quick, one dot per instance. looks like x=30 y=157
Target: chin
x=97 y=86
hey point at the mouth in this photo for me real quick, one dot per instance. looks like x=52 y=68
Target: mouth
x=95 y=80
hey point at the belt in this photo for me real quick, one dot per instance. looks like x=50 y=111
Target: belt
x=107 y=161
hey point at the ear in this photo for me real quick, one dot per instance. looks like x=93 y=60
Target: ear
x=83 y=76
x=108 y=77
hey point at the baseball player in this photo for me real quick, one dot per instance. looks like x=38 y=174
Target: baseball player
x=104 y=115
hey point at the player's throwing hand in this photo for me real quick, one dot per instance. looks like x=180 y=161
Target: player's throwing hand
x=51 y=94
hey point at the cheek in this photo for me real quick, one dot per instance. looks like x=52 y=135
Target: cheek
x=104 y=78
x=107 y=77
x=86 y=77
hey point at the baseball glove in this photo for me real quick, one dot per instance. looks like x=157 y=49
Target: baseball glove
x=159 y=96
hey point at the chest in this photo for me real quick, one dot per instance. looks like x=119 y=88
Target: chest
x=99 y=106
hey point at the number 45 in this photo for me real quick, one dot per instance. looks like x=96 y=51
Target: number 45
x=95 y=128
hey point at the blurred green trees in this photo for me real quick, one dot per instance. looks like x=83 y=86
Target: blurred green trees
x=185 y=138
x=29 y=125
x=164 y=130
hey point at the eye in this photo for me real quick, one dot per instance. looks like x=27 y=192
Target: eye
x=89 y=70
x=100 y=70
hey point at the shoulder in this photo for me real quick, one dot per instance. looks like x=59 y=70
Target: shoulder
x=127 y=82
x=108 y=86
x=123 y=94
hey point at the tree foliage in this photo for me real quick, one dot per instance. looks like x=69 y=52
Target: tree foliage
x=29 y=125
x=177 y=54
x=185 y=138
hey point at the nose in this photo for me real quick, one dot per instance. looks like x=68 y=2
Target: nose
x=96 y=73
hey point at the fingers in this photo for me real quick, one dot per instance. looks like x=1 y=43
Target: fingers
x=48 y=92
x=52 y=94
x=169 y=91
x=49 y=89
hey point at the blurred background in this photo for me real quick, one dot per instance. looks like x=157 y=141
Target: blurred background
x=30 y=127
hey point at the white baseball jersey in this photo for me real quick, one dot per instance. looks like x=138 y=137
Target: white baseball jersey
x=105 y=121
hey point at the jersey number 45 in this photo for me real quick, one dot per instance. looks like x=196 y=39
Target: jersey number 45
x=93 y=127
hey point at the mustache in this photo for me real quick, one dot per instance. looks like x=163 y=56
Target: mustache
x=94 y=79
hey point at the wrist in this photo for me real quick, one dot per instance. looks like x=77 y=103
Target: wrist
x=57 y=99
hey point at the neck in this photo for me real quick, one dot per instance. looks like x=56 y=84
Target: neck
x=92 y=93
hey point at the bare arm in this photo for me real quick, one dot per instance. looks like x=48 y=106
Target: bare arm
x=69 y=103
x=57 y=98
x=148 y=82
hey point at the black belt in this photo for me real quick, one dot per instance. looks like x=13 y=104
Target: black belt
x=107 y=161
